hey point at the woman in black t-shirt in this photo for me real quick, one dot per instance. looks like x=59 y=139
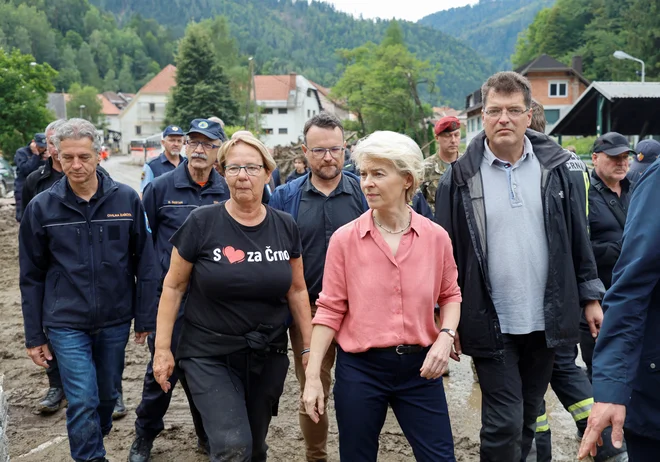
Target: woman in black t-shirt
x=242 y=262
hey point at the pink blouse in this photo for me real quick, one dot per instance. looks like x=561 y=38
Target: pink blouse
x=374 y=299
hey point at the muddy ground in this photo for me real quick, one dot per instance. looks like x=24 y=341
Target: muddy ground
x=34 y=438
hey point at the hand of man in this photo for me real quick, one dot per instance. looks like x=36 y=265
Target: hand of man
x=305 y=361
x=457 y=352
x=163 y=366
x=140 y=337
x=602 y=416
x=40 y=355
x=594 y=316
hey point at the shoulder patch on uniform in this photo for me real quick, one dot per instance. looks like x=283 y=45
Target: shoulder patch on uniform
x=143 y=175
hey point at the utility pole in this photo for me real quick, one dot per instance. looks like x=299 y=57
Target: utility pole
x=247 y=99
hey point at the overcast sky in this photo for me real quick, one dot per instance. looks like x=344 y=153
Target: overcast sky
x=411 y=10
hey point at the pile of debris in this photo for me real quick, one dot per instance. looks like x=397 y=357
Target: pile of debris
x=284 y=156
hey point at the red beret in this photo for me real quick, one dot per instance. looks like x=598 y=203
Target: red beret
x=447 y=124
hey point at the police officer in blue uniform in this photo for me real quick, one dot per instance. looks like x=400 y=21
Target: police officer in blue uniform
x=27 y=160
x=168 y=160
x=87 y=268
x=168 y=201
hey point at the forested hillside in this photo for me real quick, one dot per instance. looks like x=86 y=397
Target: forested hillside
x=595 y=29
x=491 y=27
x=286 y=36
x=84 y=44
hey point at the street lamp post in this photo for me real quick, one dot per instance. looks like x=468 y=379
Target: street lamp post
x=247 y=100
x=623 y=55
x=81 y=107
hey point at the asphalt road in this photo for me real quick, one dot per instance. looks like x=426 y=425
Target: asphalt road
x=122 y=170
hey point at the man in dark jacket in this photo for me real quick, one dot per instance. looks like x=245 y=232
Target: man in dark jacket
x=87 y=268
x=27 y=160
x=525 y=264
x=626 y=369
x=647 y=153
x=609 y=198
x=168 y=200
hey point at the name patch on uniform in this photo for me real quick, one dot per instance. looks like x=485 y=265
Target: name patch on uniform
x=174 y=202
x=120 y=215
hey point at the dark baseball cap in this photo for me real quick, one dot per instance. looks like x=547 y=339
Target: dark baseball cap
x=173 y=130
x=612 y=144
x=647 y=151
x=447 y=124
x=40 y=140
x=207 y=128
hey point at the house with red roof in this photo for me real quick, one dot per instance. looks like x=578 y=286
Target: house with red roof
x=286 y=102
x=144 y=114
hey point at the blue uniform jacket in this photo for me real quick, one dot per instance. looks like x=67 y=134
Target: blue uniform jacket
x=287 y=197
x=86 y=273
x=626 y=364
x=168 y=201
x=156 y=167
x=26 y=163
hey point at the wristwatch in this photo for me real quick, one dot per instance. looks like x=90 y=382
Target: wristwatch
x=452 y=333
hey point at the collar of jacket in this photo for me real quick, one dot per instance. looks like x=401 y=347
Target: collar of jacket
x=58 y=190
x=600 y=185
x=46 y=169
x=549 y=154
x=182 y=179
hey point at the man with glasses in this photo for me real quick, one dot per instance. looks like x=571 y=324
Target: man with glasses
x=168 y=201
x=321 y=201
x=168 y=160
x=524 y=260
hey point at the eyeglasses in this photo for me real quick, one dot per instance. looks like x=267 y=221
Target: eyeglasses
x=206 y=146
x=513 y=112
x=334 y=151
x=250 y=169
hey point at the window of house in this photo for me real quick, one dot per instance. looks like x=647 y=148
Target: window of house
x=551 y=116
x=283 y=131
x=282 y=111
x=309 y=92
x=267 y=110
x=478 y=123
x=309 y=113
x=138 y=129
x=268 y=131
x=558 y=89
x=152 y=107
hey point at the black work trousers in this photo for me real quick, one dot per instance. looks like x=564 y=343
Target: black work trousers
x=236 y=406
x=641 y=448
x=573 y=388
x=512 y=388
x=53 y=370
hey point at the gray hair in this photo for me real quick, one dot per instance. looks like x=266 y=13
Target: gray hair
x=399 y=149
x=76 y=129
x=507 y=83
x=53 y=126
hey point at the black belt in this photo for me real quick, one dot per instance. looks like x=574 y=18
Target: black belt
x=401 y=349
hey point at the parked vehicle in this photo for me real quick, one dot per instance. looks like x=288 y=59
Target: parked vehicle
x=7 y=177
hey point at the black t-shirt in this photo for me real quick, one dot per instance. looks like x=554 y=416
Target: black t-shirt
x=241 y=274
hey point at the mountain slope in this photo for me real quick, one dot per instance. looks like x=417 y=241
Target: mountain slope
x=491 y=27
x=286 y=36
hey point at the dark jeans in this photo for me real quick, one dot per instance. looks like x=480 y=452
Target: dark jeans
x=572 y=387
x=641 y=448
x=53 y=370
x=155 y=401
x=89 y=363
x=236 y=406
x=512 y=390
x=365 y=383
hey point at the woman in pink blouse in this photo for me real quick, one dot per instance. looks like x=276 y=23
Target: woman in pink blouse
x=384 y=273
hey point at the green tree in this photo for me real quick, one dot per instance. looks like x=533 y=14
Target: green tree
x=125 y=78
x=24 y=88
x=88 y=69
x=68 y=70
x=381 y=84
x=86 y=96
x=202 y=88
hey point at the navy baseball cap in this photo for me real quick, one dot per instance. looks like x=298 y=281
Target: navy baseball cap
x=207 y=128
x=40 y=140
x=647 y=151
x=173 y=130
x=612 y=144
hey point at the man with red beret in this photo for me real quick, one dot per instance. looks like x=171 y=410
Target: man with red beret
x=448 y=135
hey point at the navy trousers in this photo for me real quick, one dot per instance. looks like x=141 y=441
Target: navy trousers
x=642 y=449
x=366 y=383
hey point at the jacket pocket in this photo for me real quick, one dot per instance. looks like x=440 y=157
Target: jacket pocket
x=56 y=287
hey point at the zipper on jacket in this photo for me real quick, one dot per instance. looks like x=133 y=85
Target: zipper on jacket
x=101 y=243
x=91 y=256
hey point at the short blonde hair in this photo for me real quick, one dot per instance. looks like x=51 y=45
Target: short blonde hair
x=399 y=149
x=269 y=162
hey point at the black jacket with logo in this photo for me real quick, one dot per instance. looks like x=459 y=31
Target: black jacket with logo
x=86 y=272
x=572 y=274
x=607 y=217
